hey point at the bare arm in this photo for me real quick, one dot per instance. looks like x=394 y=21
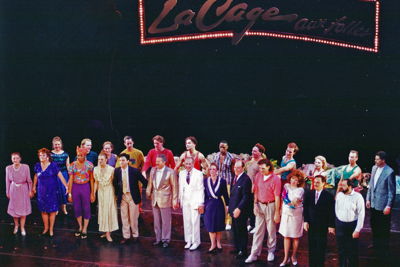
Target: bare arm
x=179 y=162
x=8 y=183
x=356 y=174
x=61 y=177
x=34 y=184
x=288 y=167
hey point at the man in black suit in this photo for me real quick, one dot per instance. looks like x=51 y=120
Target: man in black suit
x=319 y=218
x=126 y=185
x=239 y=206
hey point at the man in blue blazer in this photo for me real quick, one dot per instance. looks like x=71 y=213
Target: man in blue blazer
x=239 y=208
x=126 y=185
x=380 y=199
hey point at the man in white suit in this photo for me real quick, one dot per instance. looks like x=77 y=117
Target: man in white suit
x=191 y=196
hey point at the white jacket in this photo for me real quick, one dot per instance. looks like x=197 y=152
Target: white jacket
x=193 y=192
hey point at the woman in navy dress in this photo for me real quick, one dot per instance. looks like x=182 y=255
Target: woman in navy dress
x=215 y=209
x=46 y=176
x=61 y=158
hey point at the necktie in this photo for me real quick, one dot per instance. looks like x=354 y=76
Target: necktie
x=188 y=178
x=316 y=196
x=235 y=180
x=124 y=184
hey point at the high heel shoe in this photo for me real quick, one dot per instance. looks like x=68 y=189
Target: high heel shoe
x=15 y=230
x=212 y=251
x=284 y=263
x=23 y=232
x=43 y=234
x=294 y=262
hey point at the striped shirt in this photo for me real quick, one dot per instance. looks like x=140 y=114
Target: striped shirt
x=225 y=171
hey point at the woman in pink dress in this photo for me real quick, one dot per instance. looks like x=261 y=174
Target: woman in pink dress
x=18 y=190
x=291 y=227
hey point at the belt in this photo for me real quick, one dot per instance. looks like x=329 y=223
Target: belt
x=18 y=185
x=266 y=203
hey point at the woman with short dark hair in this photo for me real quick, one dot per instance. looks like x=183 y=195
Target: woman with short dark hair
x=214 y=217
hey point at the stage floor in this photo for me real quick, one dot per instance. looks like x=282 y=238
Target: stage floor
x=66 y=250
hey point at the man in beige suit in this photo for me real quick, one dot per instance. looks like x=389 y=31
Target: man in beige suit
x=162 y=189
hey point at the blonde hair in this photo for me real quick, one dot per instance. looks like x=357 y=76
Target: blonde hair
x=323 y=160
x=57 y=139
x=85 y=140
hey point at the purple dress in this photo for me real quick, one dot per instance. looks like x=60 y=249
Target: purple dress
x=18 y=186
x=48 y=189
x=214 y=215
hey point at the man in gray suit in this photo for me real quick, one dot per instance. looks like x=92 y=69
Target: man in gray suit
x=162 y=189
x=380 y=199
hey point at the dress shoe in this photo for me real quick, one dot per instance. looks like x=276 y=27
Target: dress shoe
x=165 y=244
x=157 y=243
x=123 y=241
x=271 y=256
x=241 y=255
x=194 y=246
x=188 y=245
x=251 y=259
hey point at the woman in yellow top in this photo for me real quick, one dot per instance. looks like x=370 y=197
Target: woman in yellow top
x=103 y=177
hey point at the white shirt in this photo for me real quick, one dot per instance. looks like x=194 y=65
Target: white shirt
x=125 y=175
x=266 y=177
x=159 y=173
x=377 y=174
x=351 y=207
x=317 y=195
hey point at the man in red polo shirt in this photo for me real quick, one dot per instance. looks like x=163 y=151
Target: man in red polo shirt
x=267 y=191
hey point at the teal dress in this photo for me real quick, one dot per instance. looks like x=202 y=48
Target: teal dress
x=61 y=161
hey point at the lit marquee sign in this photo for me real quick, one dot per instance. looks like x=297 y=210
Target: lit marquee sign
x=345 y=23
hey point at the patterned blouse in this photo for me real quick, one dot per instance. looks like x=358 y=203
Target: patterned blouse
x=80 y=176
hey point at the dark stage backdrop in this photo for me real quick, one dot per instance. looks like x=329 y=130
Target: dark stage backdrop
x=75 y=69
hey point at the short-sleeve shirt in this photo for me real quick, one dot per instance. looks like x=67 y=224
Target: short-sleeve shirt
x=80 y=176
x=267 y=190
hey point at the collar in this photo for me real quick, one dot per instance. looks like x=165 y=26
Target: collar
x=126 y=169
x=239 y=176
x=161 y=170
